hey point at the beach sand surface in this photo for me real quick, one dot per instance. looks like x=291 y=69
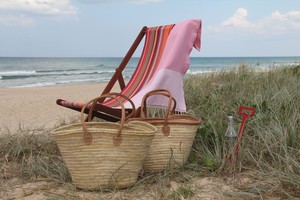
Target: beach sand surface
x=36 y=107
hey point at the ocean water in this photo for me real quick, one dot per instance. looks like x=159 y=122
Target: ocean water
x=37 y=72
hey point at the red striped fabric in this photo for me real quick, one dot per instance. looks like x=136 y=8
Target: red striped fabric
x=155 y=40
x=71 y=104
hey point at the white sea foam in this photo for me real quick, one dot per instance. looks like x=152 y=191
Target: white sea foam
x=62 y=82
x=16 y=73
x=201 y=72
x=34 y=85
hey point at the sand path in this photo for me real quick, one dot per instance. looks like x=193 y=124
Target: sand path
x=36 y=107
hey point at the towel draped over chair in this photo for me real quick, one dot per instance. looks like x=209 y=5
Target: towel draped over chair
x=173 y=65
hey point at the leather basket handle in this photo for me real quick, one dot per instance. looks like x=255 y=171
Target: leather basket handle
x=165 y=128
x=87 y=137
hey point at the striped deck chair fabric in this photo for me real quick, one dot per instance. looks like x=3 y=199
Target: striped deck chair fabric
x=155 y=41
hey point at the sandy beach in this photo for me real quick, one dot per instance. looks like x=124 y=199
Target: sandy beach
x=36 y=107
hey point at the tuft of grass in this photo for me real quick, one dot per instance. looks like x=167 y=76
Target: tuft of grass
x=31 y=154
x=181 y=193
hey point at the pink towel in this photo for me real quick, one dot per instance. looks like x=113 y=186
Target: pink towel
x=174 y=63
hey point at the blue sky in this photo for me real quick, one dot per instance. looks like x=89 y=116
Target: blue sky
x=104 y=28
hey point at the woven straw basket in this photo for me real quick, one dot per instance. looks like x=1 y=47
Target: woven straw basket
x=104 y=155
x=174 y=138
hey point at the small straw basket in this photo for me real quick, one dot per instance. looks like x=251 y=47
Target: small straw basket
x=104 y=155
x=174 y=138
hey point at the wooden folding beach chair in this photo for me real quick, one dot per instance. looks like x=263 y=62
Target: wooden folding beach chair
x=154 y=46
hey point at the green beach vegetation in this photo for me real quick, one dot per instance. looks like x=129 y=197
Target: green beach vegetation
x=271 y=142
x=269 y=153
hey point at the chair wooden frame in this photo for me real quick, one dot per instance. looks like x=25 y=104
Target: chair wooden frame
x=102 y=111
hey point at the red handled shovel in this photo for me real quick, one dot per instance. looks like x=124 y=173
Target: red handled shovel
x=245 y=112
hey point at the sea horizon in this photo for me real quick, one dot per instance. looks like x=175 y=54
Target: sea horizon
x=18 y=72
x=139 y=56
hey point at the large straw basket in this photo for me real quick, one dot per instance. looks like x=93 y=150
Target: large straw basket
x=174 y=138
x=104 y=155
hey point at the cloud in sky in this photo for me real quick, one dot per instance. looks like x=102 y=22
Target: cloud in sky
x=112 y=1
x=276 y=23
x=19 y=11
x=238 y=19
x=144 y=1
x=8 y=19
x=290 y=19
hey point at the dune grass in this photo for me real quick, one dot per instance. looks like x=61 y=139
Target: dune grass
x=31 y=154
x=271 y=141
x=270 y=146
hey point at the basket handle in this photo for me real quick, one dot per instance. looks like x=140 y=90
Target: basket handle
x=165 y=128
x=87 y=137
